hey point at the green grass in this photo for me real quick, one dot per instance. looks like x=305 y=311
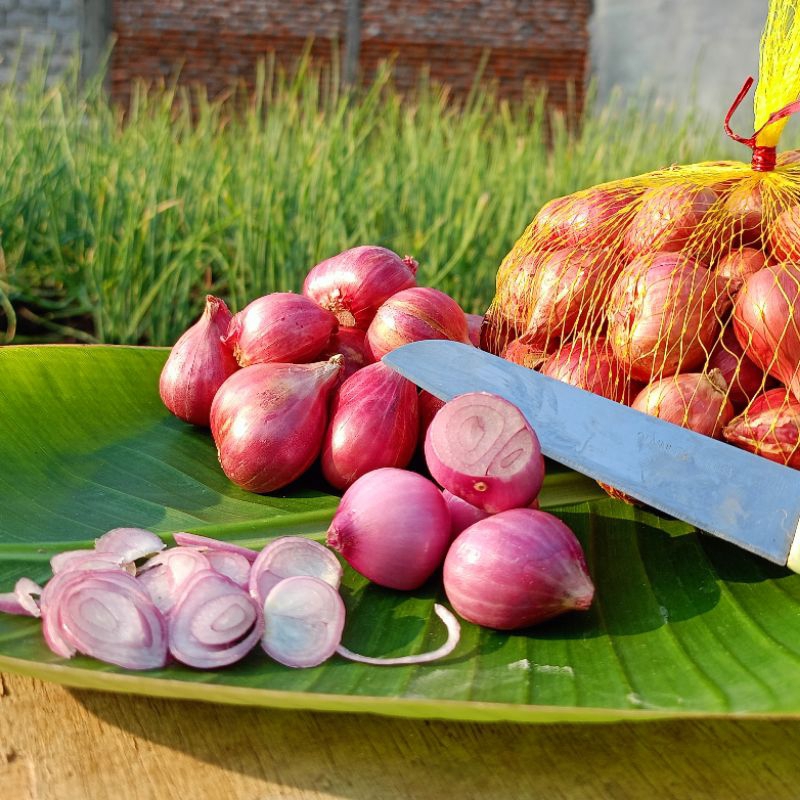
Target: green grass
x=115 y=223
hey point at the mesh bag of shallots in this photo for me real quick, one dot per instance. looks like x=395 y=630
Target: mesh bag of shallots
x=678 y=291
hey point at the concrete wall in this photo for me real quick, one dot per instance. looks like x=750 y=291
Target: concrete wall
x=55 y=24
x=672 y=44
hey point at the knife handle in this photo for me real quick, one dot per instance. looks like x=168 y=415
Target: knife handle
x=793 y=562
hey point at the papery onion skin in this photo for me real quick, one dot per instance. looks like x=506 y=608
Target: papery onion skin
x=769 y=427
x=667 y=219
x=280 y=327
x=197 y=633
x=568 y=291
x=288 y=557
x=198 y=364
x=354 y=284
x=526 y=354
x=137 y=639
x=515 y=569
x=766 y=320
x=268 y=421
x=374 y=422
x=589 y=365
x=314 y=613
x=352 y=344
x=663 y=315
x=414 y=315
x=481 y=448
x=737 y=265
x=744 y=379
x=693 y=400
x=392 y=527
x=784 y=235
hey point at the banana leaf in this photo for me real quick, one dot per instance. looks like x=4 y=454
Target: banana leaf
x=682 y=625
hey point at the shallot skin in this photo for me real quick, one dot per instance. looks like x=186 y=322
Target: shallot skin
x=280 y=327
x=515 y=569
x=268 y=421
x=353 y=284
x=393 y=527
x=198 y=364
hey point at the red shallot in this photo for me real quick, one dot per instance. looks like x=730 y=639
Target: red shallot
x=474 y=325
x=738 y=265
x=353 y=284
x=693 y=400
x=214 y=622
x=745 y=380
x=515 y=569
x=769 y=427
x=374 y=422
x=429 y=404
x=393 y=527
x=784 y=235
x=663 y=315
x=268 y=421
x=413 y=315
x=481 y=448
x=462 y=513
x=282 y=327
x=352 y=344
x=197 y=365
x=290 y=556
x=766 y=319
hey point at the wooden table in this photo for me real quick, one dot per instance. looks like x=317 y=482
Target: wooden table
x=57 y=743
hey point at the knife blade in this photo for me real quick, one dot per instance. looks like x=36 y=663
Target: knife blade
x=723 y=490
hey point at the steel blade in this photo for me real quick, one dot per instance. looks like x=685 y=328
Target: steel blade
x=725 y=491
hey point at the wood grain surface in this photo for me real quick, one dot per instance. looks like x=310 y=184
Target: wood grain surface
x=60 y=744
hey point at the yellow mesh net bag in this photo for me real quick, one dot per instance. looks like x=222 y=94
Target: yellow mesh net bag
x=677 y=291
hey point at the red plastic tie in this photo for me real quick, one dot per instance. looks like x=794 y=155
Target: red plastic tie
x=763 y=157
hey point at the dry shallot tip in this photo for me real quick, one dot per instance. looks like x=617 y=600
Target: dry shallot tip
x=516 y=568
x=393 y=527
x=453 y=637
x=214 y=622
x=106 y=615
x=268 y=421
x=196 y=540
x=354 y=284
x=280 y=327
x=291 y=556
x=373 y=423
x=414 y=315
x=128 y=544
x=481 y=448
x=197 y=365
x=303 y=622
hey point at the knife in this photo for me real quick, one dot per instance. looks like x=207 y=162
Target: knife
x=728 y=492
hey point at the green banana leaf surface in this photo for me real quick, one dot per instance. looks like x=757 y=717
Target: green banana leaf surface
x=682 y=624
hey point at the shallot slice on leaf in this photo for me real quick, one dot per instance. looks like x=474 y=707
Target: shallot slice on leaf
x=214 y=623
x=453 y=638
x=290 y=556
x=89 y=559
x=129 y=544
x=165 y=574
x=109 y=616
x=22 y=601
x=196 y=540
x=303 y=621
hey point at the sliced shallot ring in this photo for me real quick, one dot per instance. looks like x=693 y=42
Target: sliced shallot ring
x=89 y=559
x=230 y=564
x=10 y=604
x=303 y=621
x=165 y=574
x=214 y=623
x=129 y=544
x=195 y=540
x=453 y=637
x=50 y=605
x=109 y=616
x=22 y=601
x=290 y=556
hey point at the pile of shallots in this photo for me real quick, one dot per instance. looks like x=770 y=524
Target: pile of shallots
x=296 y=377
x=204 y=603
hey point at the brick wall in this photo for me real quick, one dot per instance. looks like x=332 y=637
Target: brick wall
x=542 y=42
